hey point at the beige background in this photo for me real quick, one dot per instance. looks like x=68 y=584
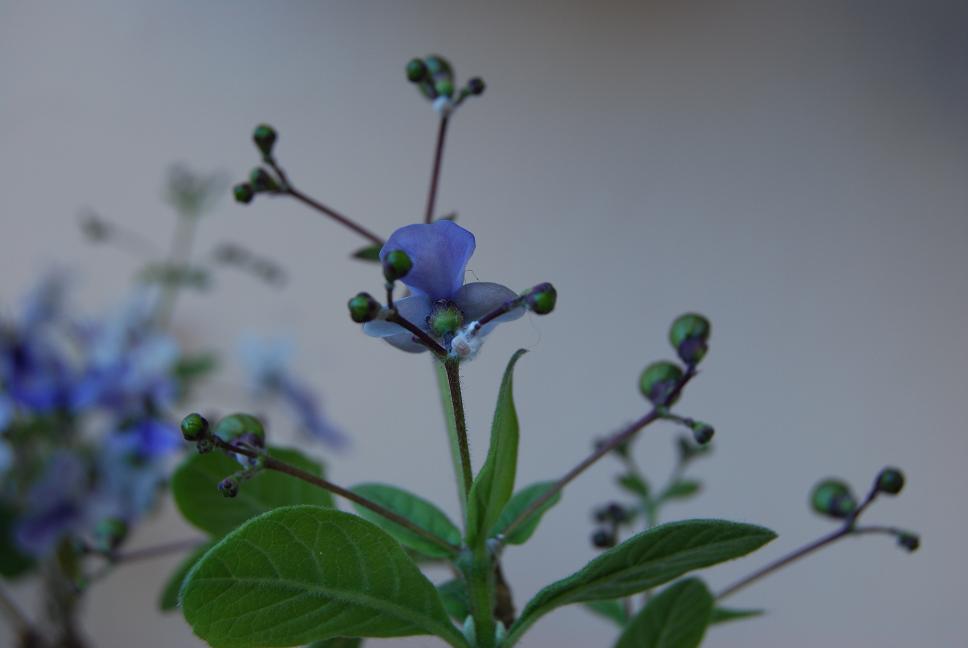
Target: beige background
x=797 y=171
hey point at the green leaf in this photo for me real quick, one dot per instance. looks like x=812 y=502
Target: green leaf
x=611 y=609
x=725 y=615
x=644 y=561
x=168 y=600
x=676 y=618
x=495 y=482
x=195 y=366
x=303 y=573
x=368 y=253
x=195 y=489
x=634 y=484
x=518 y=504
x=682 y=489
x=338 y=642
x=453 y=593
x=416 y=509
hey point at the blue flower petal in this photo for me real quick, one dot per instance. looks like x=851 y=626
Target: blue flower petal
x=439 y=252
x=415 y=308
x=405 y=342
x=479 y=298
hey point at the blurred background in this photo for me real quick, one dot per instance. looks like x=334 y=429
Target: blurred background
x=794 y=170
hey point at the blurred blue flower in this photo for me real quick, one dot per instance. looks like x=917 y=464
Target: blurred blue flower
x=54 y=506
x=440 y=252
x=267 y=362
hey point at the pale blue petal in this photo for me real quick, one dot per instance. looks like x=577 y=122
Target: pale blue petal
x=439 y=251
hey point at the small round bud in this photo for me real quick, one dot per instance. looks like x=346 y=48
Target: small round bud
x=616 y=512
x=833 y=498
x=243 y=193
x=363 y=308
x=264 y=137
x=444 y=87
x=702 y=432
x=241 y=427
x=476 y=86
x=445 y=318
x=109 y=534
x=194 y=427
x=261 y=181
x=396 y=265
x=542 y=299
x=890 y=481
x=601 y=515
x=659 y=380
x=909 y=541
x=689 y=335
x=229 y=487
x=603 y=538
x=438 y=66
x=416 y=71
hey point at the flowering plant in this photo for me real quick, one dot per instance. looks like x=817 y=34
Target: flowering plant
x=285 y=567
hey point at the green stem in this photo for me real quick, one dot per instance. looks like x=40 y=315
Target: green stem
x=452 y=368
x=450 y=419
x=480 y=585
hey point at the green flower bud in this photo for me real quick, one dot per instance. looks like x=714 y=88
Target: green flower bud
x=658 y=381
x=890 y=481
x=363 y=308
x=476 y=86
x=444 y=87
x=109 y=534
x=229 y=487
x=194 y=427
x=909 y=541
x=396 y=265
x=264 y=137
x=416 y=71
x=542 y=299
x=603 y=539
x=445 y=318
x=689 y=335
x=241 y=427
x=243 y=193
x=261 y=181
x=702 y=432
x=438 y=66
x=833 y=498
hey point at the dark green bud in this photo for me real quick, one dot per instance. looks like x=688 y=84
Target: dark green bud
x=890 y=481
x=241 y=427
x=194 y=427
x=396 y=265
x=416 y=71
x=243 y=193
x=689 y=335
x=264 y=137
x=542 y=299
x=702 y=432
x=658 y=381
x=476 y=86
x=109 y=534
x=444 y=87
x=603 y=539
x=363 y=308
x=445 y=318
x=909 y=541
x=833 y=498
x=229 y=487
x=262 y=181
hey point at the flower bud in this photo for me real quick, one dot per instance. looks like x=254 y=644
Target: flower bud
x=396 y=265
x=262 y=181
x=194 y=427
x=476 y=86
x=890 y=481
x=243 y=193
x=229 y=487
x=542 y=299
x=833 y=498
x=658 y=381
x=689 y=335
x=363 y=308
x=416 y=71
x=603 y=538
x=617 y=513
x=438 y=66
x=109 y=534
x=445 y=318
x=909 y=541
x=702 y=432
x=444 y=87
x=264 y=137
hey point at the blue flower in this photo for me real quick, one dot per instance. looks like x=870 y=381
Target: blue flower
x=55 y=504
x=440 y=252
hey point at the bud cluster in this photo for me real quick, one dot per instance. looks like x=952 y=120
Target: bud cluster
x=609 y=517
x=434 y=77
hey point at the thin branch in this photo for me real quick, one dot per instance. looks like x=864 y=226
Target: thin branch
x=432 y=344
x=452 y=367
x=335 y=215
x=435 y=174
x=156 y=551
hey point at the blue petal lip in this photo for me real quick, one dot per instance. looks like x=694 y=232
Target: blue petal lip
x=415 y=309
x=480 y=298
x=439 y=251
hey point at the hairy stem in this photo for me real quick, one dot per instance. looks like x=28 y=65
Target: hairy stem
x=450 y=421
x=435 y=173
x=453 y=382
x=480 y=585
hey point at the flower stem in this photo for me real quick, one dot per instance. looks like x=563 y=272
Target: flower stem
x=452 y=368
x=155 y=551
x=271 y=463
x=435 y=174
x=480 y=585
x=432 y=344
x=450 y=420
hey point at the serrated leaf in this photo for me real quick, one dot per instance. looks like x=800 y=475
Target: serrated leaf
x=304 y=573
x=611 y=609
x=168 y=600
x=634 y=484
x=517 y=505
x=644 y=561
x=453 y=594
x=725 y=615
x=368 y=253
x=495 y=482
x=416 y=509
x=682 y=489
x=676 y=618
x=194 y=486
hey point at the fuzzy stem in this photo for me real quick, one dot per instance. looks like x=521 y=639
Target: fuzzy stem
x=453 y=382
